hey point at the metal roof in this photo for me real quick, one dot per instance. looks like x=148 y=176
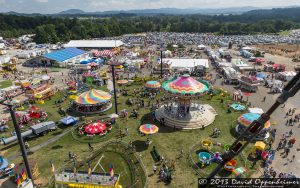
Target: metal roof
x=94 y=43
x=65 y=54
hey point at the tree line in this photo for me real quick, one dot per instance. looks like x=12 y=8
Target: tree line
x=55 y=29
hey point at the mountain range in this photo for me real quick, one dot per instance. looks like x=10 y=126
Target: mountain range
x=165 y=11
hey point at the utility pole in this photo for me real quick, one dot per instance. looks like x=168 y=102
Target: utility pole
x=161 y=64
x=20 y=140
x=114 y=85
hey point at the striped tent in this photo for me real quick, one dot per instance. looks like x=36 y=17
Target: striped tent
x=103 y=53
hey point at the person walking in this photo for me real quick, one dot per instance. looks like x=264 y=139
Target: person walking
x=90 y=147
x=293 y=158
x=264 y=99
x=287 y=151
x=154 y=169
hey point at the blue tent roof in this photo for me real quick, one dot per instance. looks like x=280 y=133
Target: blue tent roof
x=65 y=54
x=69 y=120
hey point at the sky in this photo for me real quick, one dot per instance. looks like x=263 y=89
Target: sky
x=55 y=6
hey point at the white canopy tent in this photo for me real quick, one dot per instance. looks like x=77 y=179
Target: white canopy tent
x=256 y=110
x=201 y=47
x=186 y=63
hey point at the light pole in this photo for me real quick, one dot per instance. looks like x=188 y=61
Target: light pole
x=20 y=140
x=161 y=60
x=113 y=64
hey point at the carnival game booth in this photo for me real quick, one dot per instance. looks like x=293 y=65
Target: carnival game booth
x=246 y=119
x=93 y=101
x=184 y=113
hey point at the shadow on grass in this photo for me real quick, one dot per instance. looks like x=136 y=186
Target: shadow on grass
x=57 y=147
x=224 y=173
x=9 y=146
x=140 y=145
x=57 y=133
x=147 y=119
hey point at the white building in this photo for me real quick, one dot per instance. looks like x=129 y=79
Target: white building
x=186 y=63
x=94 y=44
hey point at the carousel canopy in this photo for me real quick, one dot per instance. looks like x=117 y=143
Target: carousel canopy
x=185 y=85
x=93 y=97
x=248 y=118
x=152 y=84
x=95 y=128
x=149 y=129
x=34 y=108
x=122 y=81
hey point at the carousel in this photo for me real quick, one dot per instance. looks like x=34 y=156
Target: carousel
x=152 y=86
x=246 y=119
x=183 y=112
x=93 y=101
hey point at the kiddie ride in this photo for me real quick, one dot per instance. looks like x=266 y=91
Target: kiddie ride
x=206 y=158
x=5 y=168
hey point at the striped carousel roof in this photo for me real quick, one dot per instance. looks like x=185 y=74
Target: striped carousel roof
x=93 y=97
x=185 y=85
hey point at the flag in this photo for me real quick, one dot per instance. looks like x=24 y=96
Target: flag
x=89 y=170
x=23 y=174
x=111 y=171
x=18 y=180
x=52 y=166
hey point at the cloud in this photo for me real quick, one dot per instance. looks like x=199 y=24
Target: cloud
x=2 y=1
x=42 y=1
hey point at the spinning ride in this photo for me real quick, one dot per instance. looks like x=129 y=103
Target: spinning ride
x=93 y=101
x=185 y=113
x=152 y=85
x=246 y=119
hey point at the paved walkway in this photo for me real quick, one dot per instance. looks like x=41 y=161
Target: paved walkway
x=40 y=146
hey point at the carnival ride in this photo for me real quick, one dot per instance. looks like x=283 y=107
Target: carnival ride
x=152 y=86
x=230 y=165
x=34 y=131
x=204 y=159
x=246 y=119
x=206 y=144
x=92 y=101
x=39 y=93
x=182 y=112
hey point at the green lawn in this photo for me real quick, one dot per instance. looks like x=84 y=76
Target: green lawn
x=284 y=33
x=168 y=142
x=5 y=84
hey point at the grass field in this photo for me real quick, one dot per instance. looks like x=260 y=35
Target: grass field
x=168 y=142
x=284 y=33
x=5 y=84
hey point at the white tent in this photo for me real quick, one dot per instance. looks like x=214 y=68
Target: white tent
x=246 y=48
x=287 y=75
x=201 y=47
x=256 y=110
